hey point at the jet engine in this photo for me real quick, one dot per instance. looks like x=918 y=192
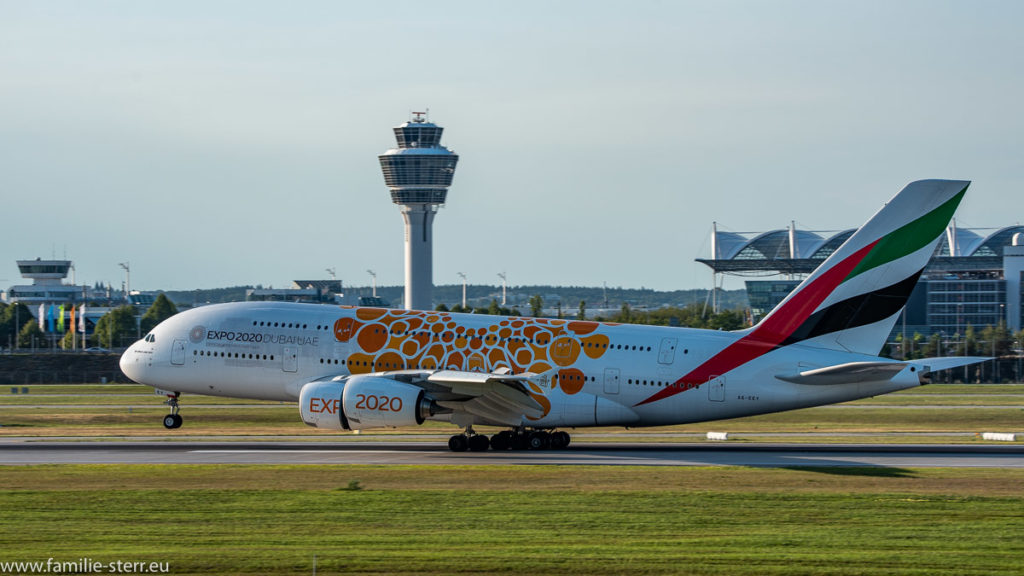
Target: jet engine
x=359 y=402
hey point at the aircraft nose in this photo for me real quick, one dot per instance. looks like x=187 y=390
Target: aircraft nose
x=131 y=363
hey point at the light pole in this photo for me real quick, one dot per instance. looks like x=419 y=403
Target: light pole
x=127 y=279
x=1020 y=342
x=998 y=333
x=903 y=341
x=504 y=284
x=463 y=276
x=373 y=278
x=331 y=272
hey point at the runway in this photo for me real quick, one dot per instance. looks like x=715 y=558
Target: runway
x=775 y=455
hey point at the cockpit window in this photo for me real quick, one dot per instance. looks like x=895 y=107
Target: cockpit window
x=150 y=337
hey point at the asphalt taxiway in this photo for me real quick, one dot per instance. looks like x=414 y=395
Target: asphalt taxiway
x=776 y=455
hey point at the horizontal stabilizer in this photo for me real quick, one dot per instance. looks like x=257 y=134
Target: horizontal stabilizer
x=883 y=371
x=946 y=362
x=849 y=373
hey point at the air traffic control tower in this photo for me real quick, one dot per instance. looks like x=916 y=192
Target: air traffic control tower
x=418 y=173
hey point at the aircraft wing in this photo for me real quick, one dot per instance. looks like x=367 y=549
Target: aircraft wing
x=879 y=371
x=497 y=397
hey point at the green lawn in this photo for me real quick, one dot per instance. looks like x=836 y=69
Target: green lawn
x=133 y=410
x=518 y=520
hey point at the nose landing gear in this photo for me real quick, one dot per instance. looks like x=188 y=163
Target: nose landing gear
x=172 y=420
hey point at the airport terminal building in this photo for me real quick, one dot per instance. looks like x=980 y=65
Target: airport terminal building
x=973 y=279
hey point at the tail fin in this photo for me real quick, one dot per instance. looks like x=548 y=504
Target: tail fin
x=852 y=300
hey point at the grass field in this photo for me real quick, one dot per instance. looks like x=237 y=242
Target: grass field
x=518 y=520
x=935 y=413
x=537 y=520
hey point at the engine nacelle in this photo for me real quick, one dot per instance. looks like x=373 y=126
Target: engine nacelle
x=374 y=402
x=360 y=402
x=320 y=405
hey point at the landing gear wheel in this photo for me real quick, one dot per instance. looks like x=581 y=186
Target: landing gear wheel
x=539 y=440
x=172 y=420
x=520 y=441
x=458 y=443
x=479 y=443
x=559 y=440
x=501 y=441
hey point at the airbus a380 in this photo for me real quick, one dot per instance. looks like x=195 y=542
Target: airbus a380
x=352 y=368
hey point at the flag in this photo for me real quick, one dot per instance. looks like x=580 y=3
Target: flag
x=81 y=320
x=60 y=319
x=49 y=318
x=42 y=317
x=71 y=322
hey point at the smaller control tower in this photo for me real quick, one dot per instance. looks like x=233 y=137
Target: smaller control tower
x=418 y=173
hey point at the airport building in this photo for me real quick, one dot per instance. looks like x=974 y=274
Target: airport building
x=973 y=279
x=313 y=291
x=47 y=285
x=48 y=294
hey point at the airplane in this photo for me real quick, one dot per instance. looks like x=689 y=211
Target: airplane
x=357 y=368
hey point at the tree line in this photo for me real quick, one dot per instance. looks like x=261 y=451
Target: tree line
x=692 y=315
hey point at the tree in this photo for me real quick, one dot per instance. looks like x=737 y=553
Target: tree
x=582 y=314
x=626 y=314
x=536 y=306
x=917 y=346
x=728 y=320
x=30 y=336
x=494 y=309
x=442 y=307
x=12 y=319
x=161 y=310
x=67 y=342
x=933 y=348
x=115 y=328
x=970 y=347
x=997 y=341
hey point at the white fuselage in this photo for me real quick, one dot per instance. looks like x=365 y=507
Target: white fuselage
x=601 y=373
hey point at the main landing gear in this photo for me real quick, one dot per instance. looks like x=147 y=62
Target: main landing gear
x=172 y=420
x=517 y=439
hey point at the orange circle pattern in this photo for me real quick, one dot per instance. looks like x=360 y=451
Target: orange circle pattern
x=399 y=339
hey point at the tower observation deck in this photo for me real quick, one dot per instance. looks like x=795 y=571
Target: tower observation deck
x=418 y=174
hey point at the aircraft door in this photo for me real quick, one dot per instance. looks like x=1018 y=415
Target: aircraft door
x=716 y=389
x=611 y=380
x=291 y=359
x=667 y=351
x=178 y=353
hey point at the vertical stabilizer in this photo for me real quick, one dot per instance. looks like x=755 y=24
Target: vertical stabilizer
x=852 y=300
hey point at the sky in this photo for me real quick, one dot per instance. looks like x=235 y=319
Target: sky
x=222 y=143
